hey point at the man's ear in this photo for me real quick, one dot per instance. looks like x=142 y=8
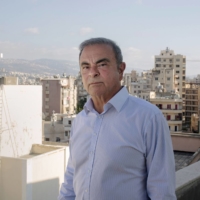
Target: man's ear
x=121 y=68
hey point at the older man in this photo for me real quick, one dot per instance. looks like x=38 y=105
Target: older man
x=120 y=146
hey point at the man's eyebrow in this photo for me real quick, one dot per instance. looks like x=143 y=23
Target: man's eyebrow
x=84 y=63
x=102 y=60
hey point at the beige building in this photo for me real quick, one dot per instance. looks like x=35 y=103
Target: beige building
x=9 y=80
x=59 y=95
x=58 y=129
x=169 y=70
x=171 y=107
x=192 y=102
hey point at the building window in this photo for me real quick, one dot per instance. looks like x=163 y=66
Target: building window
x=47 y=139
x=177 y=72
x=168 y=106
x=168 y=78
x=67 y=133
x=156 y=78
x=69 y=122
x=177 y=65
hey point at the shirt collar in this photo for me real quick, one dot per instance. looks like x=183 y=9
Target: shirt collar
x=116 y=101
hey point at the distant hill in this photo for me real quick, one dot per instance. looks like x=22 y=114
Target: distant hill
x=41 y=66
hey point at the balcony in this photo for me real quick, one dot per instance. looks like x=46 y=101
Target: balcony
x=171 y=122
x=170 y=111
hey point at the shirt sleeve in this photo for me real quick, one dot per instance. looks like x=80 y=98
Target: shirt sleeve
x=67 y=190
x=159 y=160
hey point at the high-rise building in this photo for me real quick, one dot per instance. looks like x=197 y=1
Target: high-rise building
x=59 y=95
x=169 y=71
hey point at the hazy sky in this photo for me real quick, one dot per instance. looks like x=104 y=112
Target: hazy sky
x=33 y=29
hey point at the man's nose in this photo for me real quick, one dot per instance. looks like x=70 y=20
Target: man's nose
x=94 y=71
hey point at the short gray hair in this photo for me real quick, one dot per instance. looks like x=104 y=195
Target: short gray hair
x=93 y=41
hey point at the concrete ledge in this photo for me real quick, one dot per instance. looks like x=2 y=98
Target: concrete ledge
x=185 y=142
x=188 y=182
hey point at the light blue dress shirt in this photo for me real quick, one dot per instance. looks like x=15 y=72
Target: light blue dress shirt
x=124 y=153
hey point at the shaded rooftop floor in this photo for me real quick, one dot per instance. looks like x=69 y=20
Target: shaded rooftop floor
x=182 y=159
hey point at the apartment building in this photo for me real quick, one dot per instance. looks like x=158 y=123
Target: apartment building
x=171 y=106
x=141 y=88
x=58 y=129
x=192 y=102
x=169 y=70
x=59 y=95
x=136 y=85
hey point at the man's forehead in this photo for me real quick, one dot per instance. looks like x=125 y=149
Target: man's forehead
x=97 y=50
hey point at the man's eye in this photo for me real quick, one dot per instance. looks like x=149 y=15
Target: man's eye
x=102 y=65
x=85 y=67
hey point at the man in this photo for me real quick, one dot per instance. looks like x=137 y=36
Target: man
x=120 y=146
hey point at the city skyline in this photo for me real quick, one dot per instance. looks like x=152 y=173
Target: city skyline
x=33 y=29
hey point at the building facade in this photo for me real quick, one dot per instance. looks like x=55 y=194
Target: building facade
x=171 y=107
x=59 y=95
x=192 y=102
x=170 y=71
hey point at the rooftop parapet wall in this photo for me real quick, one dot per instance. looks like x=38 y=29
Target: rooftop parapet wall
x=188 y=182
x=185 y=142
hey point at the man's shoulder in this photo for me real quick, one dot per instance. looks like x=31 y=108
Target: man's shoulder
x=141 y=105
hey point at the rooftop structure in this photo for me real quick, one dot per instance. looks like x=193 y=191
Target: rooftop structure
x=28 y=169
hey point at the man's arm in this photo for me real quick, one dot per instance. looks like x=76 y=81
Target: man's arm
x=67 y=190
x=159 y=160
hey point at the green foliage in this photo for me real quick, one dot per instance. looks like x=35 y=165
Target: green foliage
x=80 y=105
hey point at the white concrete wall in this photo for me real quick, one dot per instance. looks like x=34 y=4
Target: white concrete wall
x=13 y=179
x=36 y=178
x=21 y=119
x=47 y=175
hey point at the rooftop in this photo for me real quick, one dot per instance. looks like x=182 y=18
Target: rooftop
x=182 y=159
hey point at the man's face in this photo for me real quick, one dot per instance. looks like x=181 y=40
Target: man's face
x=100 y=75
